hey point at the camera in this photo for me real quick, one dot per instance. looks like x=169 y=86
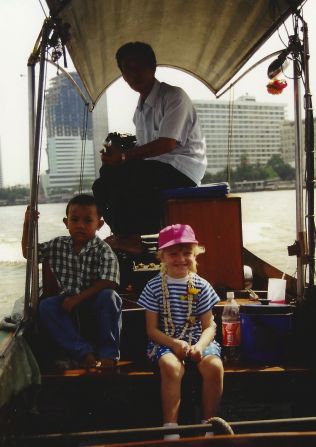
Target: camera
x=124 y=141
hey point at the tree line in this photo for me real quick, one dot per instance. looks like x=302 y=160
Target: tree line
x=275 y=168
x=13 y=194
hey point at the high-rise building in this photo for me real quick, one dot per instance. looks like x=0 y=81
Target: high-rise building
x=66 y=162
x=1 y=171
x=69 y=128
x=288 y=140
x=243 y=128
x=65 y=109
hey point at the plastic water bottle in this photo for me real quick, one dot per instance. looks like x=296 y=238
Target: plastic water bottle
x=231 y=330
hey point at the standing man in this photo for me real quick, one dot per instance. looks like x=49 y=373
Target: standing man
x=169 y=152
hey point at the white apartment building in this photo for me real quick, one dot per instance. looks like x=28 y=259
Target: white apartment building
x=288 y=140
x=1 y=171
x=245 y=128
x=66 y=163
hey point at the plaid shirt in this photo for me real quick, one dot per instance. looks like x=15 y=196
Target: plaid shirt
x=77 y=272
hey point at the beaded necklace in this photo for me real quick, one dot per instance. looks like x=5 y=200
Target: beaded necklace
x=169 y=326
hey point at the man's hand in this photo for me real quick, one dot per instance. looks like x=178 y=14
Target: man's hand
x=181 y=349
x=112 y=156
x=70 y=302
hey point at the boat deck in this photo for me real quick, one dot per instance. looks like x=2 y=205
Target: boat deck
x=90 y=402
x=250 y=391
x=86 y=400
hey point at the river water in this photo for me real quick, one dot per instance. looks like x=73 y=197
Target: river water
x=268 y=220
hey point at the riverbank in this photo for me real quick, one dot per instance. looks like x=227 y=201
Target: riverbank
x=262 y=185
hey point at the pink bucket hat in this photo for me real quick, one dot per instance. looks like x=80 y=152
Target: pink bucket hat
x=176 y=234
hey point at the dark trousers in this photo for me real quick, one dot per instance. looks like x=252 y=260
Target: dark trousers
x=129 y=194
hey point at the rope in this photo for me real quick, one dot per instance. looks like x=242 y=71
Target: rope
x=42 y=125
x=34 y=283
x=230 y=133
x=42 y=8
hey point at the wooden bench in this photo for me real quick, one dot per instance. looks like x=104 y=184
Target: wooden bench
x=245 y=385
x=249 y=390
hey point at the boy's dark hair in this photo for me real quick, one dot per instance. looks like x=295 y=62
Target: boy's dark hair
x=140 y=50
x=84 y=200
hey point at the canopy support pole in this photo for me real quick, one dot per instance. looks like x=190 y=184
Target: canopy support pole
x=299 y=180
x=310 y=171
x=305 y=227
x=31 y=282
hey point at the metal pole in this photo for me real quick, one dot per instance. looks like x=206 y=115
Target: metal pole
x=32 y=122
x=30 y=292
x=31 y=101
x=309 y=149
x=299 y=179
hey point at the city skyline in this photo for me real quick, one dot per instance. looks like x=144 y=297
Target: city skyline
x=250 y=128
x=24 y=18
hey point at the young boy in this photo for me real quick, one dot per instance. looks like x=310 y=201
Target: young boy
x=87 y=271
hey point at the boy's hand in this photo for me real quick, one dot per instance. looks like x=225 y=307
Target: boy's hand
x=27 y=217
x=196 y=353
x=70 y=302
x=181 y=349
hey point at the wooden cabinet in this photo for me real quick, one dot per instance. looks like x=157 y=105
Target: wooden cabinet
x=217 y=225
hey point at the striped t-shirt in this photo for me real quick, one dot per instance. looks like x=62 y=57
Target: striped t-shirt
x=151 y=299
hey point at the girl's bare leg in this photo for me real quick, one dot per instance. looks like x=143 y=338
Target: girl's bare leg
x=212 y=372
x=171 y=371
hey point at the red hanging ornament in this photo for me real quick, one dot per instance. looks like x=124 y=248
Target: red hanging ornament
x=276 y=86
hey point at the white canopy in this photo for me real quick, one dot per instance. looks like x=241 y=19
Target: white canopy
x=211 y=39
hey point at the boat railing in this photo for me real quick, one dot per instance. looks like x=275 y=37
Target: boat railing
x=294 y=431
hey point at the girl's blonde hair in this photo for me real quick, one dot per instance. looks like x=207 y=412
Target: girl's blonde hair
x=197 y=250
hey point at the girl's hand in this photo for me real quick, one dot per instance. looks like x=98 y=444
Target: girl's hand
x=196 y=353
x=181 y=349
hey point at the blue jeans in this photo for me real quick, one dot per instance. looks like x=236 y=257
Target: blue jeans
x=106 y=308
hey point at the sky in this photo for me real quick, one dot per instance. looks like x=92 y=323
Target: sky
x=20 y=24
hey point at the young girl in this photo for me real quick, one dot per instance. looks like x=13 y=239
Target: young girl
x=180 y=324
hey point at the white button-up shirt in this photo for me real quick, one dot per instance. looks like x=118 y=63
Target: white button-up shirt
x=168 y=112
